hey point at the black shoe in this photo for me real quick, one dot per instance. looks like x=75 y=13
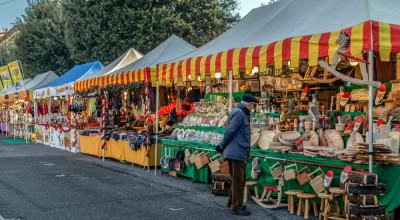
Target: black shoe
x=242 y=212
x=230 y=204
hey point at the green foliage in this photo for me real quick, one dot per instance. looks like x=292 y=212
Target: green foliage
x=101 y=29
x=58 y=34
x=40 y=44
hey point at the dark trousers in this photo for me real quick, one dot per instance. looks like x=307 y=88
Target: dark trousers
x=237 y=169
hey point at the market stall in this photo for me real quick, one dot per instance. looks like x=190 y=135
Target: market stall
x=321 y=90
x=26 y=94
x=14 y=112
x=56 y=125
x=129 y=118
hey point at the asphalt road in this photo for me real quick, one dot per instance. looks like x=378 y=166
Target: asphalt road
x=40 y=182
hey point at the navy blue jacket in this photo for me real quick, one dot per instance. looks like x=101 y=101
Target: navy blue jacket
x=236 y=142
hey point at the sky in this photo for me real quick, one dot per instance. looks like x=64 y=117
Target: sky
x=10 y=9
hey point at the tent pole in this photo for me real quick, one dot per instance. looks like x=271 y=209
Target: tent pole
x=7 y=119
x=230 y=90
x=157 y=107
x=371 y=103
x=15 y=123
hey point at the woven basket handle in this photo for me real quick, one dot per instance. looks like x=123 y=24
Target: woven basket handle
x=292 y=165
x=200 y=154
x=212 y=158
x=302 y=169
x=276 y=164
x=312 y=173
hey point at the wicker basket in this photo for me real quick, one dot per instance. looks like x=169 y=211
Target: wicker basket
x=317 y=183
x=290 y=174
x=224 y=167
x=276 y=172
x=215 y=163
x=302 y=176
x=202 y=160
x=193 y=157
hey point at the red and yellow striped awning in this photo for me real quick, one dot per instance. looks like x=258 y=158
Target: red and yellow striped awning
x=312 y=47
x=147 y=75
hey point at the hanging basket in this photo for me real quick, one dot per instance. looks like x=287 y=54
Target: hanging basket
x=302 y=176
x=224 y=168
x=276 y=170
x=193 y=157
x=290 y=174
x=215 y=163
x=202 y=160
x=317 y=183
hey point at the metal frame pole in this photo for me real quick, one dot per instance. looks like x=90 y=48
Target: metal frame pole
x=157 y=108
x=230 y=90
x=15 y=123
x=371 y=103
x=7 y=130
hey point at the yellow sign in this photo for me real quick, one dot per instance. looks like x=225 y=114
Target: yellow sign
x=5 y=76
x=15 y=71
x=1 y=88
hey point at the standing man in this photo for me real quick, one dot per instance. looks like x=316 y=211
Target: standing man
x=236 y=148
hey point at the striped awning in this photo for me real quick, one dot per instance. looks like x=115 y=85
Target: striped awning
x=147 y=75
x=312 y=47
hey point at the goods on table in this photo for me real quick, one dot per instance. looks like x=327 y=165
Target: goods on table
x=382 y=154
x=209 y=137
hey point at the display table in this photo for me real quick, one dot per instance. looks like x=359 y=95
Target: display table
x=237 y=96
x=388 y=174
x=216 y=129
x=170 y=146
x=118 y=150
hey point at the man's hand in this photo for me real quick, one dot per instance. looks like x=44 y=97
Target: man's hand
x=219 y=149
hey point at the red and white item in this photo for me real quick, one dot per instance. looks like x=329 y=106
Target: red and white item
x=345 y=98
x=381 y=94
x=358 y=122
x=345 y=174
x=304 y=93
x=122 y=115
x=380 y=122
x=328 y=178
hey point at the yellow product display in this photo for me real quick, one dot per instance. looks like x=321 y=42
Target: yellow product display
x=118 y=150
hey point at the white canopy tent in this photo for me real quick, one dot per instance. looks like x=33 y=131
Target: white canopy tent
x=124 y=60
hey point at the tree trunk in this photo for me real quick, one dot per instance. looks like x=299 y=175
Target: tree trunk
x=355 y=209
x=356 y=188
x=363 y=177
x=363 y=199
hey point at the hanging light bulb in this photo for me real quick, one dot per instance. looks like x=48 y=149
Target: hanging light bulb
x=198 y=79
x=353 y=63
x=254 y=70
x=55 y=98
x=217 y=75
x=190 y=76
